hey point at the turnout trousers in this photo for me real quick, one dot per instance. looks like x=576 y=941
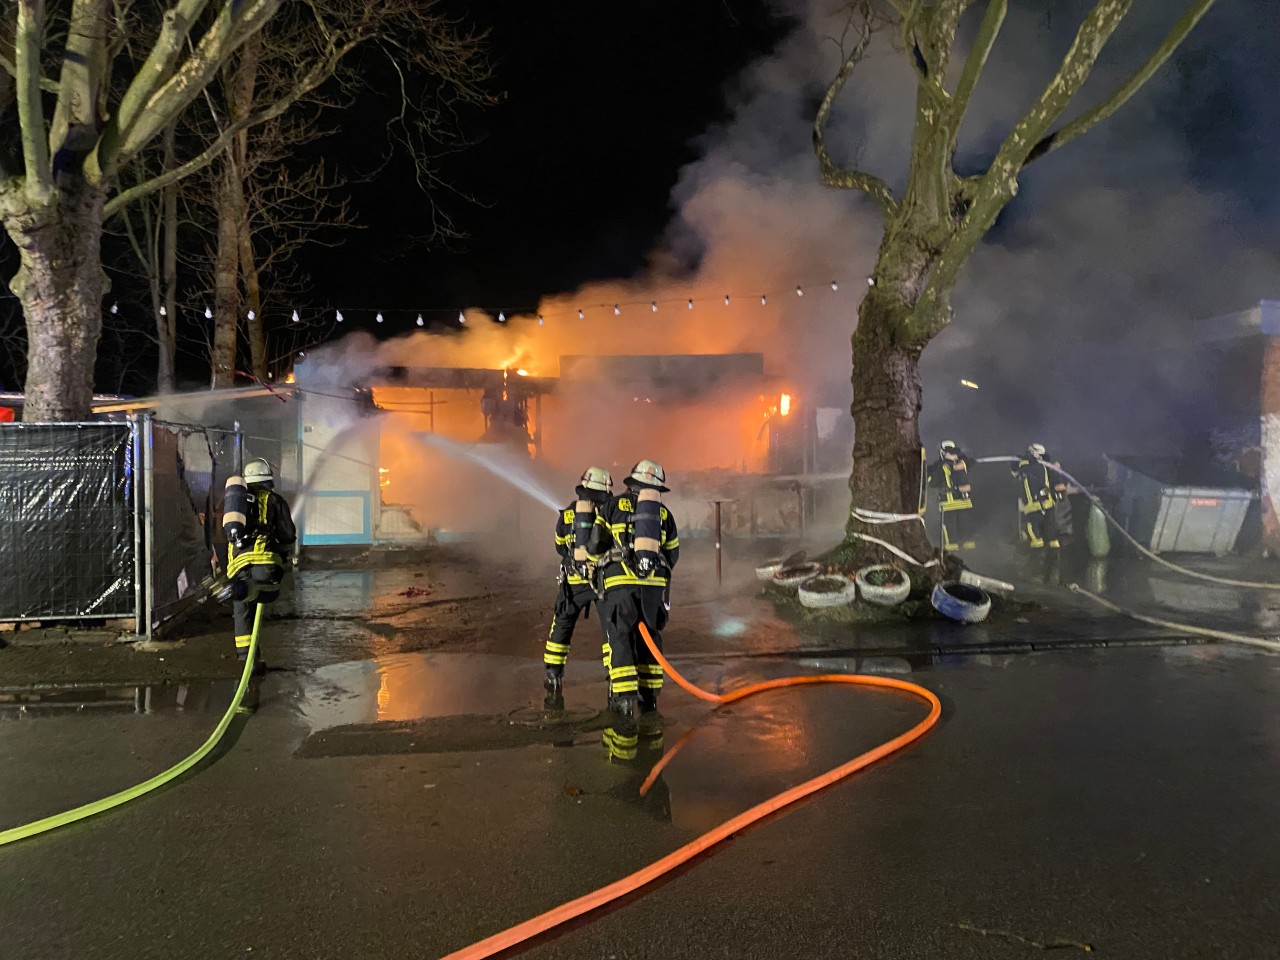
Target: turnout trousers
x=572 y=602
x=259 y=583
x=632 y=669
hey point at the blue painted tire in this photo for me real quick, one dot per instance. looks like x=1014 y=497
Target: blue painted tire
x=961 y=602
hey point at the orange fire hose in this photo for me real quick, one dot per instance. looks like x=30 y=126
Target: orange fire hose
x=522 y=932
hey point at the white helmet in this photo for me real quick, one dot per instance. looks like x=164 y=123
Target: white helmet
x=947 y=446
x=1036 y=450
x=597 y=478
x=648 y=473
x=258 y=471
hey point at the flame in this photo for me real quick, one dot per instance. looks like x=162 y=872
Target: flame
x=522 y=373
x=289 y=378
x=784 y=407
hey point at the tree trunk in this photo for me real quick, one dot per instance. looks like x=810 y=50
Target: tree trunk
x=226 y=287
x=253 y=296
x=167 y=326
x=886 y=405
x=60 y=284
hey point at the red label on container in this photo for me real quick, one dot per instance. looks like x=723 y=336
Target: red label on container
x=1204 y=502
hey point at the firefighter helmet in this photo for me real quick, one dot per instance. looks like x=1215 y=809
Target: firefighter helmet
x=597 y=478
x=258 y=471
x=1037 y=451
x=648 y=473
x=948 y=446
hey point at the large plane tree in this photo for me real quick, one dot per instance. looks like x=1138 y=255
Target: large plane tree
x=87 y=85
x=940 y=216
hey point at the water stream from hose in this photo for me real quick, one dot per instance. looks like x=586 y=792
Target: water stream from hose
x=501 y=462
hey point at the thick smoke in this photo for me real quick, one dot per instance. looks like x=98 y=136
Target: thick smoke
x=1074 y=317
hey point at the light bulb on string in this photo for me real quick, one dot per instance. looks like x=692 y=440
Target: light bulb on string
x=654 y=306
x=163 y=311
x=726 y=299
x=834 y=285
x=252 y=315
x=295 y=317
x=421 y=322
x=115 y=308
x=379 y=316
x=691 y=303
x=617 y=311
x=581 y=315
x=502 y=317
x=338 y=315
x=871 y=281
x=208 y=314
x=462 y=317
x=799 y=292
x=540 y=320
x=764 y=300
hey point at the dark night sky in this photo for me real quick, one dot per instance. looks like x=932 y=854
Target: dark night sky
x=576 y=165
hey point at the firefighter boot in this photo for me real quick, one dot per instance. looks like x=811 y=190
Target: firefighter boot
x=648 y=701
x=624 y=706
x=554 y=681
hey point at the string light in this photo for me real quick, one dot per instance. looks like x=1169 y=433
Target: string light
x=726 y=299
x=691 y=303
x=295 y=318
x=616 y=311
x=208 y=314
x=799 y=292
x=379 y=317
x=115 y=308
x=540 y=321
x=462 y=317
x=581 y=315
x=654 y=306
x=834 y=285
x=338 y=316
x=421 y=322
x=163 y=311
x=252 y=315
x=764 y=300
x=502 y=317
x=871 y=281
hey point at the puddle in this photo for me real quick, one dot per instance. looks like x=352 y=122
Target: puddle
x=203 y=698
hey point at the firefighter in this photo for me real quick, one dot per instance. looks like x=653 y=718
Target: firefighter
x=577 y=572
x=637 y=546
x=1042 y=504
x=949 y=476
x=260 y=534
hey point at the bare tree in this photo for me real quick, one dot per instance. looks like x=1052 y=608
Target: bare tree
x=125 y=72
x=933 y=228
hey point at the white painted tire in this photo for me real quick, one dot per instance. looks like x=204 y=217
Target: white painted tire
x=821 y=600
x=882 y=595
x=767 y=569
x=794 y=576
x=961 y=601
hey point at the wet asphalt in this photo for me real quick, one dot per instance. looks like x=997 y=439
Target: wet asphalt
x=1121 y=800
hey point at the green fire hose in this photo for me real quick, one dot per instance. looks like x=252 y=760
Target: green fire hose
x=14 y=834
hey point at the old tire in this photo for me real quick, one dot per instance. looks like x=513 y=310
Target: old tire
x=886 y=594
x=767 y=569
x=794 y=576
x=962 y=602
x=819 y=600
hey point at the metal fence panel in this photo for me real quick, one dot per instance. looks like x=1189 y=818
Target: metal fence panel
x=181 y=560
x=67 y=494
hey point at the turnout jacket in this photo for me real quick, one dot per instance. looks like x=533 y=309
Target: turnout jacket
x=258 y=525
x=613 y=543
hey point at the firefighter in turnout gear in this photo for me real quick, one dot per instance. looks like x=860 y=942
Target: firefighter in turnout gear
x=577 y=572
x=636 y=546
x=949 y=477
x=260 y=534
x=1044 y=510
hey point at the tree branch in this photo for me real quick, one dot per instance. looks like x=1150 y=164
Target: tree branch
x=1091 y=118
x=75 y=120
x=832 y=176
x=974 y=64
x=38 y=183
x=47 y=85
x=318 y=73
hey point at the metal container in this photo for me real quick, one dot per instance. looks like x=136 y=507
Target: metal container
x=1164 y=507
